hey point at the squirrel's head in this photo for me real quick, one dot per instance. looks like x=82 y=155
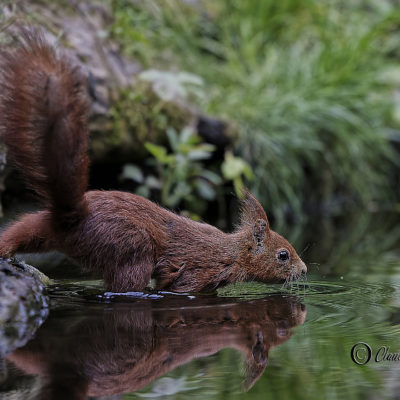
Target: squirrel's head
x=268 y=256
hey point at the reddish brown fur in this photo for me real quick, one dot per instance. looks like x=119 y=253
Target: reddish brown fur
x=43 y=120
x=126 y=349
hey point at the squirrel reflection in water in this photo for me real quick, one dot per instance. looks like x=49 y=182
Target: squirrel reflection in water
x=126 y=346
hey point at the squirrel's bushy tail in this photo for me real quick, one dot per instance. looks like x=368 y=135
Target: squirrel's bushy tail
x=43 y=122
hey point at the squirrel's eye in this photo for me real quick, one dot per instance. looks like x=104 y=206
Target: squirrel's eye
x=283 y=255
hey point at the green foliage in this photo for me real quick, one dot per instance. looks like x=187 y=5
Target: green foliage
x=307 y=83
x=179 y=175
x=234 y=169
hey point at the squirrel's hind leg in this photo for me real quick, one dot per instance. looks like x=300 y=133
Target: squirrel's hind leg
x=132 y=269
x=132 y=276
x=30 y=233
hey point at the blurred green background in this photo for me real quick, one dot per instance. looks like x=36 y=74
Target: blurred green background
x=311 y=88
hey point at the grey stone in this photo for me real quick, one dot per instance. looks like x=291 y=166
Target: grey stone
x=23 y=304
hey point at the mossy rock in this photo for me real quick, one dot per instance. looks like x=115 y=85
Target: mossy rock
x=138 y=116
x=23 y=303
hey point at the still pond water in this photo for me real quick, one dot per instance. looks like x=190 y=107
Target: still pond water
x=250 y=341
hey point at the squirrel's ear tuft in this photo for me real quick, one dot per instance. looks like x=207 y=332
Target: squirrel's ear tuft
x=260 y=231
x=252 y=210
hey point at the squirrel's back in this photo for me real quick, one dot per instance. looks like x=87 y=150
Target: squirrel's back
x=43 y=122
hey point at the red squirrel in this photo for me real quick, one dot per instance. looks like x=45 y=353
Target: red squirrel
x=129 y=239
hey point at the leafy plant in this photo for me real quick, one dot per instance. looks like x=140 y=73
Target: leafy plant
x=235 y=169
x=180 y=176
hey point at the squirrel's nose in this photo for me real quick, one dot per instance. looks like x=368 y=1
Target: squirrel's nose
x=303 y=269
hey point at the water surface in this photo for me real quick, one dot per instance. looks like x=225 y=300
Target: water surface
x=249 y=341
